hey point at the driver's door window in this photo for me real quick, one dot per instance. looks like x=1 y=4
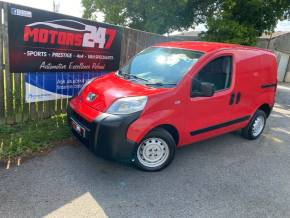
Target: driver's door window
x=217 y=72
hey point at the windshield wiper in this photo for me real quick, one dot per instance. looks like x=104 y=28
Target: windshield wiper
x=129 y=76
x=160 y=84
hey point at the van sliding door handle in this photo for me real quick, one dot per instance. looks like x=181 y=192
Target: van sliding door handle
x=238 y=98
x=232 y=99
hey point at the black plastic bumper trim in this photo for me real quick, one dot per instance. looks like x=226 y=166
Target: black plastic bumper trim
x=107 y=135
x=264 y=86
x=218 y=126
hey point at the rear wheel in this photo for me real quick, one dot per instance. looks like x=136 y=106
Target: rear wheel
x=256 y=126
x=156 y=151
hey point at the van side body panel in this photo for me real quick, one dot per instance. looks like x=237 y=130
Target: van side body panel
x=254 y=71
x=251 y=70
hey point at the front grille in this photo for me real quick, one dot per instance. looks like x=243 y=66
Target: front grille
x=90 y=129
x=80 y=119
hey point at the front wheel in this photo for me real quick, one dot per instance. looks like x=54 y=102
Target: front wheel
x=156 y=151
x=256 y=126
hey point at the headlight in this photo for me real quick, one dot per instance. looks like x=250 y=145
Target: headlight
x=128 y=105
x=85 y=85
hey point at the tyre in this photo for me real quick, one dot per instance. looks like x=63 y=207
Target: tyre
x=156 y=150
x=256 y=126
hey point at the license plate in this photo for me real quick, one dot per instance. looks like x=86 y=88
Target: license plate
x=78 y=128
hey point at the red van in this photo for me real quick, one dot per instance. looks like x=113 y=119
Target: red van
x=171 y=95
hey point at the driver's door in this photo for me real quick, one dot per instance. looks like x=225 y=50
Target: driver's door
x=209 y=116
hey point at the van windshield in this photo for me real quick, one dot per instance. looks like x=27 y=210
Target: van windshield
x=159 y=66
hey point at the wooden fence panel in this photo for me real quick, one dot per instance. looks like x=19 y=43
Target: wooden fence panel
x=10 y=117
x=24 y=106
x=17 y=94
x=2 y=104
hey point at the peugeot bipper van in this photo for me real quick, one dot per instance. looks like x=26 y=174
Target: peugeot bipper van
x=174 y=94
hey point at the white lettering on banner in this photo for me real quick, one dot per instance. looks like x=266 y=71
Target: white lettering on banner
x=100 y=57
x=62 y=81
x=36 y=53
x=96 y=36
x=61 y=55
x=19 y=12
x=98 y=66
x=81 y=66
x=50 y=66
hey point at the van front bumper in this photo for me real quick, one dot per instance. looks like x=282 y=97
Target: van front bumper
x=106 y=136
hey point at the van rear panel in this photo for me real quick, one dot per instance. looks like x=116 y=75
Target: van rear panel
x=256 y=79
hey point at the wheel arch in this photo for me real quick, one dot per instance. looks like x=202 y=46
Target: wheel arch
x=266 y=108
x=171 y=129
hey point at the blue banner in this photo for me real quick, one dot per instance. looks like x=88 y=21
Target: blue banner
x=45 y=86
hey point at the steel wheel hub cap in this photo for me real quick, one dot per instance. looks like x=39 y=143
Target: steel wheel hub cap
x=153 y=152
x=258 y=125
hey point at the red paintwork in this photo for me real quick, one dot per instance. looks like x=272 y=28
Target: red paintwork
x=111 y=87
x=252 y=67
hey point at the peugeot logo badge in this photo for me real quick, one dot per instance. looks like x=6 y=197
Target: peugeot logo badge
x=91 y=97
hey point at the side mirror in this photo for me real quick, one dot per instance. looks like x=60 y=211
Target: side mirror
x=204 y=89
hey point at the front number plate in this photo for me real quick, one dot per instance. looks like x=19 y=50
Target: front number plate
x=78 y=128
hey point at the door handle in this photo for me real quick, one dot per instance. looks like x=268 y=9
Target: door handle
x=232 y=99
x=238 y=98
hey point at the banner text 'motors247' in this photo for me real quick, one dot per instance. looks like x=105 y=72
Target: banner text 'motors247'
x=46 y=41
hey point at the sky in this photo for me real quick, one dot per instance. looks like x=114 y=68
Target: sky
x=69 y=7
x=74 y=8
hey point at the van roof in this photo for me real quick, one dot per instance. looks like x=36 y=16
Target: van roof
x=205 y=47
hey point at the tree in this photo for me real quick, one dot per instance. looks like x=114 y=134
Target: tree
x=242 y=21
x=158 y=16
x=234 y=21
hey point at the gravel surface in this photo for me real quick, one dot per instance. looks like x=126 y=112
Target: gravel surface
x=227 y=176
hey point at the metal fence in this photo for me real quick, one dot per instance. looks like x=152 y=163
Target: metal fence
x=13 y=108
